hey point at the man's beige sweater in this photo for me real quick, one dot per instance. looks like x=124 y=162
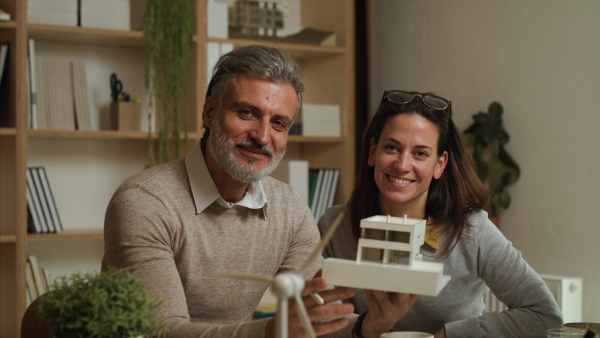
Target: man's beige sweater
x=153 y=230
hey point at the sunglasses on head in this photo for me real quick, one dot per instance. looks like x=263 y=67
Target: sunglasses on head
x=430 y=100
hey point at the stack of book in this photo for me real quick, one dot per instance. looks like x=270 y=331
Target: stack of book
x=54 y=12
x=321 y=120
x=38 y=280
x=58 y=95
x=41 y=208
x=106 y=14
x=322 y=184
x=214 y=50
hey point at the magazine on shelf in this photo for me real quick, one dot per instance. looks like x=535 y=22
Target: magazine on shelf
x=36 y=205
x=50 y=199
x=43 y=202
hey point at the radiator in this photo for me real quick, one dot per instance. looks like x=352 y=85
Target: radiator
x=567 y=292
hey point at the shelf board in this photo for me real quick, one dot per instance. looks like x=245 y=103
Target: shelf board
x=97 y=134
x=67 y=235
x=85 y=35
x=8 y=24
x=8 y=131
x=315 y=139
x=141 y=135
x=294 y=49
x=8 y=238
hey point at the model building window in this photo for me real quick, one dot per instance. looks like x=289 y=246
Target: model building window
x=399 y=236
x=372 y=255
x=398 y=257
x=373 y=234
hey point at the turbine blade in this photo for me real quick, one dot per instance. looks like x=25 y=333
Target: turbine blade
x=318 y=251
x=255 y=278
x=308 y=329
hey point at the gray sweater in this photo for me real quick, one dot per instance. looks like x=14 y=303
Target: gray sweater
x=482 y=258
x=152 y=228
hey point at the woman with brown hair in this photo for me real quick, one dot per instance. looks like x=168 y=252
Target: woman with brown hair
x=415 y=163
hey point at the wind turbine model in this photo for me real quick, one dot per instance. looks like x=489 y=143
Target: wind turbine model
x=288 y=285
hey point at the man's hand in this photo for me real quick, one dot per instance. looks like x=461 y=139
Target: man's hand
x=385 y=309
x=327 y=313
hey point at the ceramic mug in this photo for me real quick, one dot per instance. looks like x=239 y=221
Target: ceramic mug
x=565 y=332
x=406 y=334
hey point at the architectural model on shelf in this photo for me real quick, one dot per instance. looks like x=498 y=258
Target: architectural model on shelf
x=388 y=259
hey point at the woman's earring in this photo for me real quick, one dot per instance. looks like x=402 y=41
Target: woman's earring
x=371 y=162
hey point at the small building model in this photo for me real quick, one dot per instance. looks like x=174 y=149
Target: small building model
x=259 y=18
x=388 y=259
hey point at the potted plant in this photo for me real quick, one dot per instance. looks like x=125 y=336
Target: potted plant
x=168 y=31
x=113 y=303
x=496 y=168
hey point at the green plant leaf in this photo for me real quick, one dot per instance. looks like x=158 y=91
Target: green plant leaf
x=504 y=199
x=486 y=137
x=168 y=26
x=510 y=165
x=113 y=303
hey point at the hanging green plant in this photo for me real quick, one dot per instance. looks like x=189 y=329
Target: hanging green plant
x=168 y=31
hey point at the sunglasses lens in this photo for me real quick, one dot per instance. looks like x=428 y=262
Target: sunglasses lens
x=400 y=97
x=435 y=102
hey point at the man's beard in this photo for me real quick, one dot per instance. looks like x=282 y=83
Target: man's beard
x=221 y=148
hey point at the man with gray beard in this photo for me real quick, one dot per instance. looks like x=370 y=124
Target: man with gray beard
x=179 y=224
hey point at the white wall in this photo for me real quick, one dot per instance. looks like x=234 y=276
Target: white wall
x=541 y=61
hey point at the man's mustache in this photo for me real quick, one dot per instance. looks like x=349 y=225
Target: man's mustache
x=251 y=143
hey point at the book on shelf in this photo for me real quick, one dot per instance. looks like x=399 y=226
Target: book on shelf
x=58 y=93
x=314 y=198
x=32 y=293
x=37 y=278
x=3 y=59
x=5 y=90
x=4 y=16
x=214 y=50
x=40 y=286
x=334 y=184
x=42 y=212
x=321 y=120
x=217 y=20
x=43 y=202
x=294 y=173
x=53 y=12
x=322 y=187
x=39 y=224
x=106 y=14
x=80 y=94
x=31 y=77
x=50 y=199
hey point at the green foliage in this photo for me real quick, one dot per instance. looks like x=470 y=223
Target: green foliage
x=168 y=31
x=113 y=303
x=495 y=167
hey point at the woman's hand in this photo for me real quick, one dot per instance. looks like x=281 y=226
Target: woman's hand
x=385 y=309
x=317 y=312
x=440 y=334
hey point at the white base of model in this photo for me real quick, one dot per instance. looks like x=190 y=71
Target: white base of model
x=423 y=278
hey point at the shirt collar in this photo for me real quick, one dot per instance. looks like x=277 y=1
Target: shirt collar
x=205 y=191
x=433 y=234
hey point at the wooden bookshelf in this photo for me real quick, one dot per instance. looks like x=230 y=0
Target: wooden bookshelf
x=328 y=74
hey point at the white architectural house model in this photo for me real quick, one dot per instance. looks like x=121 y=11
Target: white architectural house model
x=388 y=259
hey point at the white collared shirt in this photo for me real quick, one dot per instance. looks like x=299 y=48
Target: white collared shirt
x=205 y=191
